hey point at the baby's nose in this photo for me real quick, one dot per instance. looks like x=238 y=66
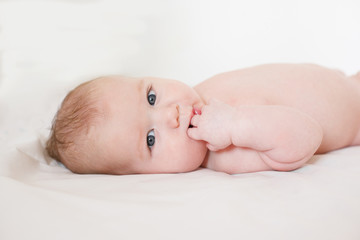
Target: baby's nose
x=171 y=116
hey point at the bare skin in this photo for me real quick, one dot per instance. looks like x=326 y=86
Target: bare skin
x=270 y=117
x=330 y=100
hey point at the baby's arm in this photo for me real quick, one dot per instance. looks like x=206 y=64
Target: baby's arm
x=283 y=137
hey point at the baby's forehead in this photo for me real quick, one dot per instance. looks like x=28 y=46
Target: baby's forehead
x=120 y=103
x=115 y=80
x=118 y=90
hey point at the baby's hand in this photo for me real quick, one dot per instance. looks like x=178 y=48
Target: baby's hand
x=213 y=125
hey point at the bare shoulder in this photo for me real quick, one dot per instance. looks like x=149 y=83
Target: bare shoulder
x=327 y=95
x=273 y=69
x=275 y=84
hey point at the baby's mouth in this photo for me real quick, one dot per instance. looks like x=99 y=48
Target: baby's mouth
x=195 y=111
x=191 y=116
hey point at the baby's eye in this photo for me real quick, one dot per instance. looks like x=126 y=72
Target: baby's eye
x=150 y=139
x=151 y=97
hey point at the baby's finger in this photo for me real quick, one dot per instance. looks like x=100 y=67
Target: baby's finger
x=212 y=147
x=195 y=120
x=193 y=133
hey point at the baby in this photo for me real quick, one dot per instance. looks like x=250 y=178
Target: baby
x=269 y=117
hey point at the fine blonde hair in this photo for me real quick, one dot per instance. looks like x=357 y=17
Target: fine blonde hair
x=68 y=142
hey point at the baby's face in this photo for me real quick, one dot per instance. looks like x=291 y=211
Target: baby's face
x=145 y=126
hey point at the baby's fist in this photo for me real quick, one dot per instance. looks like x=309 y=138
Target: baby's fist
x=213 y=125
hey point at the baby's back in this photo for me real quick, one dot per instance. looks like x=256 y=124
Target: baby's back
x=326 y=95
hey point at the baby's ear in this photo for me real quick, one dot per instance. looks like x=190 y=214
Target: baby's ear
x=91 y=130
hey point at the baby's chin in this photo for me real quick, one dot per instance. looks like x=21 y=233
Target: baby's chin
x=183 y=164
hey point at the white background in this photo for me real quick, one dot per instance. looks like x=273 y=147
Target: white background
x=190 y=40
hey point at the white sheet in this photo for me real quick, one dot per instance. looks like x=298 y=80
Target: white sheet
x=45 y=47
x=319 y=201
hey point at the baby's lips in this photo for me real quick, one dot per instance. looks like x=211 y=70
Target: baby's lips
x=196 y=111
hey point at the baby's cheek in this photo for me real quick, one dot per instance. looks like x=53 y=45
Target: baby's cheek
x=196 y=154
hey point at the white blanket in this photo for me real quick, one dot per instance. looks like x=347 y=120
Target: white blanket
x=42 y=200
